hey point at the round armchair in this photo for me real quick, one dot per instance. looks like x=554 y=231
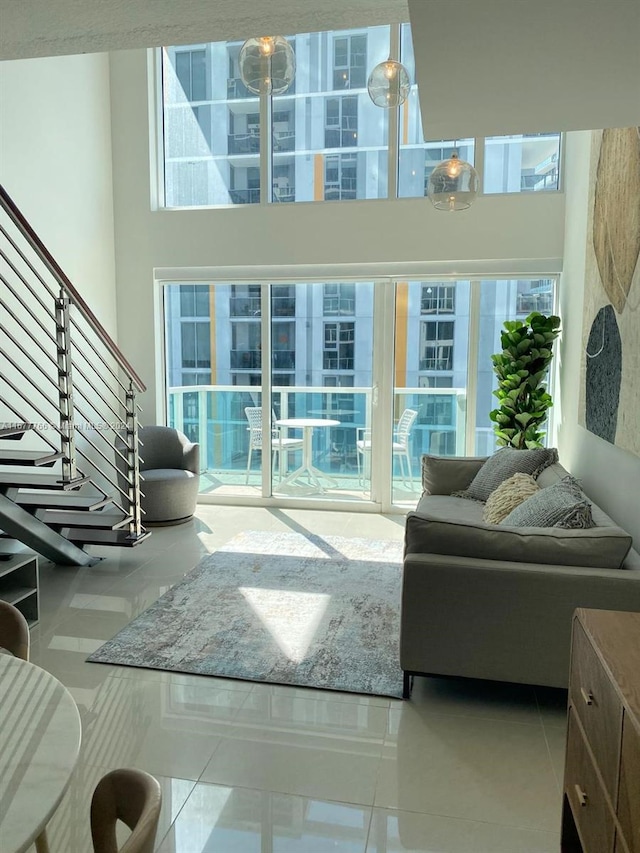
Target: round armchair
x=170 y=475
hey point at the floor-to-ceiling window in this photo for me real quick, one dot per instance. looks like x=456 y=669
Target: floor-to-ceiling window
x=349 y=393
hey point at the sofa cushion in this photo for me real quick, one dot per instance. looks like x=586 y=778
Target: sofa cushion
x=439 y=527
x=561 y=505
x=442 y=475
x=504 y=464
x=508 y=496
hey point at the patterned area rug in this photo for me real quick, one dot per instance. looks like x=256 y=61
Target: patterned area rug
x=284 y=608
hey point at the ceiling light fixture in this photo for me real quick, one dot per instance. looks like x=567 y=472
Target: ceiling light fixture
x=388 y=84
x=267 y=65
x=453 y=184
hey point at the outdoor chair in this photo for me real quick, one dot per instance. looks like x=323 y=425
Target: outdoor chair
x=281 y=444
x=400 y=448
x=135 y=798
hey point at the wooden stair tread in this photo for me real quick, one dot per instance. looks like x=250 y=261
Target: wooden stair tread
x=96 y=520
x=80 y=536
x=62 y=500
x=32 y=480
x=37 y=458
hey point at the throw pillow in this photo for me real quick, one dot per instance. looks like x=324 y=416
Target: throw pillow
x=561 y=505
x=504 y=464
x=508 y=496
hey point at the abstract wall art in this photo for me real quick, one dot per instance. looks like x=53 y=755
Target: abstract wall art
x=610 y=386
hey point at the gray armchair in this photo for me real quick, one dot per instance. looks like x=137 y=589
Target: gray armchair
x=170 y=475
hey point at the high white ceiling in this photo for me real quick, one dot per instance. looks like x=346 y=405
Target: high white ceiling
x=501 y=67
x=30 y=28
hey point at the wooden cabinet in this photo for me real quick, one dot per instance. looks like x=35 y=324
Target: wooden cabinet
x=19 y=584
x=601 y=808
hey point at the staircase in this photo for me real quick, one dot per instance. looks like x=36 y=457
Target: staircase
x=69 y=463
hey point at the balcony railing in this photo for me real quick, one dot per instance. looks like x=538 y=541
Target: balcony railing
x=243 y=143
x=284 y=140
x=244 y=306
x=251 y=196
x=245 y=359
x=214 y=416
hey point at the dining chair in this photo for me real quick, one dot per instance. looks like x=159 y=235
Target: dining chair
x=14 y=631
x=281 y=444
x=400 y=447
x=135 y=798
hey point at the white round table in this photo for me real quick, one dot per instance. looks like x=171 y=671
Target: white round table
x=307 y=469
x=39 y=745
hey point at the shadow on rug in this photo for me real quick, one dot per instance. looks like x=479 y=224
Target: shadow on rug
x=284 y=608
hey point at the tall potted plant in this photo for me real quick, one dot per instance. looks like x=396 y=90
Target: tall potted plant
x=522 y=368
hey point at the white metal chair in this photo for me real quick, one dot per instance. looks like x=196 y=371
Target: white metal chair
x=281 y=444
x=400 y=447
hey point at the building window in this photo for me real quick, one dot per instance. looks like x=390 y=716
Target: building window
x=438 y=299
x=521 y=163
x=339 y=299
x=338 y=346
x=194 y=300
x=340 y=177
x=244 y=300
x=350 y=62
x=534 y=296
x=191 y=70
x=246 y=346
x=196 y=345
x=283 y=300
x=436 y=345
x=341 y=122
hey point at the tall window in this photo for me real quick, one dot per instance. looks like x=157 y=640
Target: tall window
x=191 y=70
x=350 y=62
x=340 y=176
x=436 y=345
x=338 y=346
x=339 y=299
x=438 y=299
x=341 y=124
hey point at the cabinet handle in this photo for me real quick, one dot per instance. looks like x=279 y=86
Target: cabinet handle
x=581 y=795
x=587 y=695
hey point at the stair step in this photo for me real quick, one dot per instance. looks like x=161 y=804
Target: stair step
x=102 y=537
x=62 y=500
x=14 y=432
x=37 y=458
x=32 y=480
x=95 y=520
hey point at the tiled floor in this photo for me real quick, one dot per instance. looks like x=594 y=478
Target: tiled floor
x=464 y=767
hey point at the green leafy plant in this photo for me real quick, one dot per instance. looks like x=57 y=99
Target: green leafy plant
x=522 y=368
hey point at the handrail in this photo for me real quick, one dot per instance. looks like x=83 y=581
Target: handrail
x=52 y=265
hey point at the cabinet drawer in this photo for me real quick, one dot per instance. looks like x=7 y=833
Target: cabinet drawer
x=590 y=810
x=629 y=792
x=596 y=703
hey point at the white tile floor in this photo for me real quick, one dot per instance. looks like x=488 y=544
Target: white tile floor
x=464 y=767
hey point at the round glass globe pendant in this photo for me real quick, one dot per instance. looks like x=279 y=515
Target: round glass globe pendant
x=453 y=184
x=388 y=84
x=267 y=65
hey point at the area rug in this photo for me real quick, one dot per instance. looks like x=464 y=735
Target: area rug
x=284 y=608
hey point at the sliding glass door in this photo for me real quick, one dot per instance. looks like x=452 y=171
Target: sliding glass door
x=333 y=390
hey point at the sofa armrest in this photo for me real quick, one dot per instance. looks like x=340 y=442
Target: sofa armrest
x=442 y=475
x=500 y=620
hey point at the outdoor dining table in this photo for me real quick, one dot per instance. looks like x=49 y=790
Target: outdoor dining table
x=40 y=736
x=307 y=470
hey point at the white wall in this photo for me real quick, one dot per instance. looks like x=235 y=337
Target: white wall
x=55 y=162
x=611 y=476
x=492 y=236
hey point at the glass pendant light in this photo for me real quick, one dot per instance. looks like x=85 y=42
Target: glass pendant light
x=453 y=184
x=388 y=84
x=267 y=65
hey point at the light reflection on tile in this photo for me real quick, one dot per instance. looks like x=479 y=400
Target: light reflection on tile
x=397 y=831
x=217 y=819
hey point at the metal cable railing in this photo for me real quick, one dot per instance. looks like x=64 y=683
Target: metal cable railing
x=66 y=348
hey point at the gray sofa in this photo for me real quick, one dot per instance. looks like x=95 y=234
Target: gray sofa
x=491 y=602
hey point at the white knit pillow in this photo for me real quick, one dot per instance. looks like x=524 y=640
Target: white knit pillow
x=508 y=496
